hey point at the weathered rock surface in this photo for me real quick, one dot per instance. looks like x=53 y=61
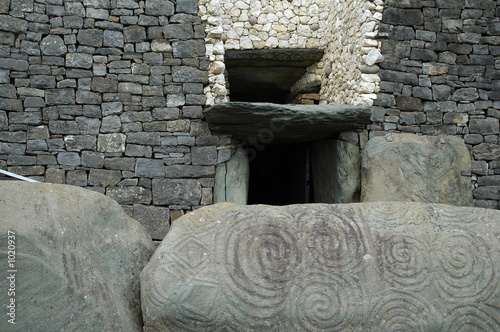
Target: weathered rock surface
x=263 y=123
x=356 y=267
x=232 y=179
x=416 y=169
x=77 y=261
x=336 y=171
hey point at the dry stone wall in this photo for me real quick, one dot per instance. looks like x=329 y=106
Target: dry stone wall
x=108 y=95
x=441 y=75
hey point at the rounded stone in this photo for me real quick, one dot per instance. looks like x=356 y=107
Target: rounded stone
x=53 y=45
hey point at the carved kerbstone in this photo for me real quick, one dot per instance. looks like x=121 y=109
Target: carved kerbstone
x=77 y=259
x=318 y=267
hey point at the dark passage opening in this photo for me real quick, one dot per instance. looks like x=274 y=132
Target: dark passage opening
x=280 y=175
x=267 y=75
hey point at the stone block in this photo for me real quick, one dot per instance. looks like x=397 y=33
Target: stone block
x=101 y=84
x=104 y=177
x=113 y=38
x=189 y=171
x=13 y=24
x=188 y=48
x=159 y=8
x=80 y=142
x=134 y=34
x=144 y=138
x=358 y=267
x=189 y=75
x=204 y=155
x=60 y=96
x=488 y=126
x=111 y=142
x=68 y=159
x=399 y=16
x=129 y=195
x=416 y=168
x=90 y=37
x=65 y=231
x=29 y=118
x=486 y=151
x=64 y=127
x=405 y=103
x=111 y=124
x=112 y=108
x=123 y=164
x=88 y=97
x=176 y=192
x=54 y=175
x=154 y=218
x=79 y=60
x=149 y=168
x=178 y=31
x=92 y=159
x=77 y=178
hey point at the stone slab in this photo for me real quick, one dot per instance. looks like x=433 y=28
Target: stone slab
x=416 y=169
x=336 y=172
x=77 y=259
x=264 y=123
x=317 y=267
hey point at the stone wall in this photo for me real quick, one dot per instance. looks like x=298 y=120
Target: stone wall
x=108 y=95
x=441 y=75
x=345 y=30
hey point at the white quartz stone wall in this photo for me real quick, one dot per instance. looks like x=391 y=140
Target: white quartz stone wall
x=348 y=69
x=345 y=29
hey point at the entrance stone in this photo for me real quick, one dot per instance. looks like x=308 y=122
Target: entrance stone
x=417 y=169
x=317 y=267
x=76 y=262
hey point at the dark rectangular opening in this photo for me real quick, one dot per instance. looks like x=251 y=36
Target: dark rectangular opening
x=281 y=175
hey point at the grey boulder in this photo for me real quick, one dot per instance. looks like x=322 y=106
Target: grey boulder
x=77 y=259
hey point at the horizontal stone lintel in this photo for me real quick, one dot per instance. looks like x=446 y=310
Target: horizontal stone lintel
x=267 y=123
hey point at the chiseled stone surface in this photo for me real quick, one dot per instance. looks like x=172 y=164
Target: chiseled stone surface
x=317 y=267
x=78 y=259
x=416 y=169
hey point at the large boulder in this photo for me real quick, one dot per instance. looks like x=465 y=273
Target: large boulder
x=76 y=263
x=317 y=267
x=416 y=168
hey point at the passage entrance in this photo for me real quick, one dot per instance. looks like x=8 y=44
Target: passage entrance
x=281 y=175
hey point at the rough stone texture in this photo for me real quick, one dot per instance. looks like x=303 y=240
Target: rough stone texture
x=417 y=169
x=266 y=122
x=78 y=257
x=336 y=172
x=232 y=179
x=356 y=267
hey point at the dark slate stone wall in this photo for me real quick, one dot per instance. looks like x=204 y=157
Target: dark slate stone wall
x=108 y=95
x=441 y=75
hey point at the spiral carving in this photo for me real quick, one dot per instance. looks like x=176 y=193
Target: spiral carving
x=260 y=260
x=400 y=311
x=328 y=302
x=335 y=243
x=466 y=268
x=405 y=261
x=473 y=318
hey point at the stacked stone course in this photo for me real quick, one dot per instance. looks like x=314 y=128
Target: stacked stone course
x=108 y=95
x=441 y=75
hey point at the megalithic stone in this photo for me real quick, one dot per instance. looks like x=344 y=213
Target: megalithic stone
x=75 y=257
x=318 y=267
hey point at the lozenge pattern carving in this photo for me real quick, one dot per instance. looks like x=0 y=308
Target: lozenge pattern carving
x=327 y=268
